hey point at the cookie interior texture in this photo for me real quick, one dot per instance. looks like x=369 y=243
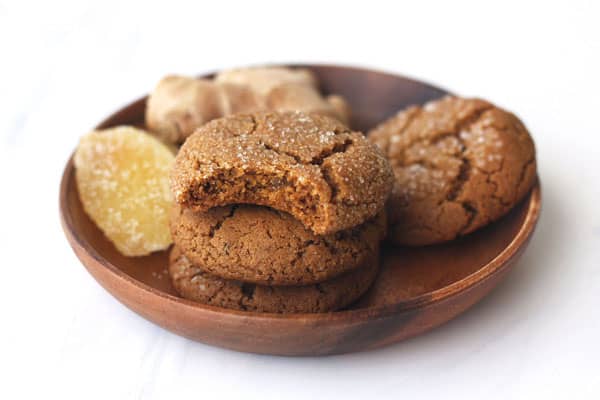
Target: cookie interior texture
x=265 y=246
x=310 y=166
x=458 y=163
x=194 y=284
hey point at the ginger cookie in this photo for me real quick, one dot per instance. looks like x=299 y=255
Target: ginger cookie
x=269 y=247
x=310 y=166
x=459 y=164
x=194 y=284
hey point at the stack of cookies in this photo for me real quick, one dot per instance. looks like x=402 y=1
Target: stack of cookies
x=277 y=212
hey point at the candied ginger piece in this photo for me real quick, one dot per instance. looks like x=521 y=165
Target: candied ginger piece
x=123 y=178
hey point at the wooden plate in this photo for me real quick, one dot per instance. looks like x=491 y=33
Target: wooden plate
x=417 y=289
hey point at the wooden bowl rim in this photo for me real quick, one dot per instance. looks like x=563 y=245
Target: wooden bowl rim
x=502 y=260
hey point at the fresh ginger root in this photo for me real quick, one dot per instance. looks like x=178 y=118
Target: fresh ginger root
x=292 y=96
x=263 y=80
x=179 y=104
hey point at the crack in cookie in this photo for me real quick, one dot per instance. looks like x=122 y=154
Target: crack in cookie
x=310 y=166
x=197 y=285
x=459 y=164
x=265 y=246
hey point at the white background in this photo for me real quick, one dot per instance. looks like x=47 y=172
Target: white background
x=65 y=65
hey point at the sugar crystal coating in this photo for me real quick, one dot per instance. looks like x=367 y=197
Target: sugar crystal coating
x=459 y=164
x=122 y=176
x=310 y=166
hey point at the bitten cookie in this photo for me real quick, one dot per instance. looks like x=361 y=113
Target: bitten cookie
x=194 y=284
x=310 y=166
x=459 y=164
x=265 y=246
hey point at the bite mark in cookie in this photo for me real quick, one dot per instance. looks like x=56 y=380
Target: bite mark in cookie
x=310 y=166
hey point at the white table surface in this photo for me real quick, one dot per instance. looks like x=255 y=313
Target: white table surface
x=66 y=65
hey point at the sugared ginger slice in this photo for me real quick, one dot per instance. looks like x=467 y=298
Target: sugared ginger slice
x=123 y=179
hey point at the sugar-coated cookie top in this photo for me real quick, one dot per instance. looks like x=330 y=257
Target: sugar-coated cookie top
x=308 y=165
x=459 y=164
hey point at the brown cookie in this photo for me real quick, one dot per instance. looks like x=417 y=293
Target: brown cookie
x=265 y=246
x=194 y=284
x=459 y=164
x=311 y=166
